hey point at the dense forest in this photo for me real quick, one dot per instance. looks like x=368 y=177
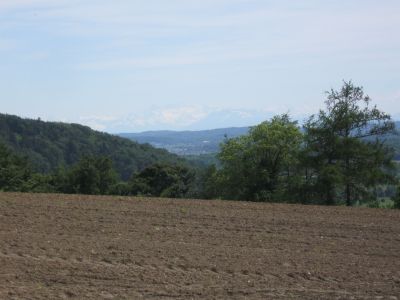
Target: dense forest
x=50 y=145
x=339 y=156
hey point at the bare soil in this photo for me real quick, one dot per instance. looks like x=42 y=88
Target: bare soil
x=83 y=247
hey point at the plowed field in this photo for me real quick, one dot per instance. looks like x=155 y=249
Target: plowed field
x=80 y=247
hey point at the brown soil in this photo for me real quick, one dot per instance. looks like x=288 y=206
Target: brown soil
x=80 y=247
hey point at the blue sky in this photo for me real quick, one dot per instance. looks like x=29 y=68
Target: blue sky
x=130 y=65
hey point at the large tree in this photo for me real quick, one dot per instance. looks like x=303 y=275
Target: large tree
x=91 y=175
x=260 y=165
x=396 y=198
x=162 y=180
x=15 y=170
x=344 y=145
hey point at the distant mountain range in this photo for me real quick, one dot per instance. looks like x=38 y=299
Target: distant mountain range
x=177 y=119
x=207 y=141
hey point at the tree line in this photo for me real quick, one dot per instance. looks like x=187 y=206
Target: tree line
x=337 y=157
x=93 y=175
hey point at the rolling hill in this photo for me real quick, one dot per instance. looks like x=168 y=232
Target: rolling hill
x=50 y=145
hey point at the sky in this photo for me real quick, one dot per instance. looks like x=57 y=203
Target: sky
x=136 y=65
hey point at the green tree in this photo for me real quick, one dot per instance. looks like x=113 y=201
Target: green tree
x=15 y=170
x=342 y=146
x=162 y=180
x=107 y=174
x=91 y=175
x=396 y=198
x=205 y=183
x=39 y=183
x=261 y=165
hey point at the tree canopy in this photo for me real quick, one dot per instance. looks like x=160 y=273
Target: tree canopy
x=339 y=157
x=259 y=165
x=162 y=180
x=15 y=170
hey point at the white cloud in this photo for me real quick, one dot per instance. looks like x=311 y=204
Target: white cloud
x=231 y=51
x=175 y=117
x=196 y=32
x=181 y=116
x=269 y=34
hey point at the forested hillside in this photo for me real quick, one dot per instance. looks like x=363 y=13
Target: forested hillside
x=49 y=145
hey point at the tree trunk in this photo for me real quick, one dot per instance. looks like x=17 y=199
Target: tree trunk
x=348 y=188
x=348 y=196
x=330 y=200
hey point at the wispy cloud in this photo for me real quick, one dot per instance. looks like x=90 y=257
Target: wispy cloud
x=239 y=36
x=173 y=117
x=238 y=53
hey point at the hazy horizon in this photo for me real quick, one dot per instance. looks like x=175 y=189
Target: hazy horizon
x=133 y=66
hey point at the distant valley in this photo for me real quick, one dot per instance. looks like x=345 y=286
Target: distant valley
x=187 y=142
x=205 y=142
